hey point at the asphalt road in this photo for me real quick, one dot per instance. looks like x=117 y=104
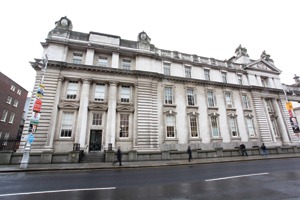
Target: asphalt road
x=261 y=179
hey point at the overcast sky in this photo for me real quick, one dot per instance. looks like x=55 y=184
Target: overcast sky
x=211 y=28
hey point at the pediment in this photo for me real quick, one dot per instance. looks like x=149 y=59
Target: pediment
x=69 y=105
x=263 y=65
x=94 y=106
x=125 y=108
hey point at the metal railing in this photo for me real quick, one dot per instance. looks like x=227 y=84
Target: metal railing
x=9 y=145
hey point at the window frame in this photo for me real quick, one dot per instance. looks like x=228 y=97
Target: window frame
x=250 y=129
x=224 y=77
x=71 y=92
x=228 y=102
x=12 y=87
x=191 y=97
x=240 y=79
x=194 y=126
x=124 y=93
x=67 y=125
x=11 y=118
x=4 y=115
x=77 y=58
x=9 y=100
x=103 y=58
x=246 y=102
x=214 y=120
x=16 y=102
x=170 y=128
x=206 y=74
x=125 y=64
x=211 y=99
x=98 y=93
x=97 y=119
x=167 y=68
x=169 y=95
x=188 y=71
x=232 y=120
x=124 y=125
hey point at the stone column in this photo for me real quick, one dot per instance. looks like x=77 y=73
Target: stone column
x=281 y=125
x=115 y=60
x=53 y=122
x=111 y=115
x=83 y=114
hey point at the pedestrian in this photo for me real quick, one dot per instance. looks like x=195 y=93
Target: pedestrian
x=189 y=151
x=243 y=149
x=119 y=156
x=264 y=150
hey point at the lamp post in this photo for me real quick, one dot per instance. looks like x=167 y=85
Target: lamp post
x=34 y=121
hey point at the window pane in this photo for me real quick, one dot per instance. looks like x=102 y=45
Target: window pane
x=214 y=125
x=188 y=72
x=224 y=77
x=72 y=90
x=124 y=125
x=8 y=100
x=16 y=103
x=103 y=61
x=194 y=129
x=191 y=97
x=168 y=95
x=11 y=118
x=170 y=122
x=125 y=93
x=97 y=119
x=206 y=74
x=233 y=128
x=167 y=69
x=126 y=64
x=228 y=100
x=67 y=125
x=77 y=58
x=4 y=115
x=250 y=126
x=99 y=92
x=210 y=99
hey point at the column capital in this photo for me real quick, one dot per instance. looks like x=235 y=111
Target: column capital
x=86 y=80
x=113 y=83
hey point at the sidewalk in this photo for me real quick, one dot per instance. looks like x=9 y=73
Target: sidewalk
x=109 y=165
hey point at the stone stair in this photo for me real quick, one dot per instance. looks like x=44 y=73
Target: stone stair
x=92 y=157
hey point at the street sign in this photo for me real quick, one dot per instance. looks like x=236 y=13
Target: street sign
x=30 y=138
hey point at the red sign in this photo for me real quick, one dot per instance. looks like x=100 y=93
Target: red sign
x=37 y=105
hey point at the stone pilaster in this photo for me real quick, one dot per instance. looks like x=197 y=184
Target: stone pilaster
x=282 y=128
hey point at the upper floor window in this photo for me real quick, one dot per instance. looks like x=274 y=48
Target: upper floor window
x=19 y=92
x=168 y=95
x=167 y=69
x=67 y=125
x=4 y=115
x=124 y=125
x=211 y=99
x=103 y=61
x=6 y=136
x=16 y=103
x=245 y=101
x=275 y=126
x=11 y=118
x=224 y=77
x=99 y=92
x=188 y=72
x=126 y=64
x=240 y=79
x=269 y=105
x=97 y=119
x=233 y=127
x=228 y=100
x=250 y=126
x=190 y=97
x=72 y=90
x=77 y=58
x=215 y=126
x=12 y=87
x=170 y=126
x=264 y=81
x=206 y=74
x=125 y=93
x=193 y=126
x=8 y=100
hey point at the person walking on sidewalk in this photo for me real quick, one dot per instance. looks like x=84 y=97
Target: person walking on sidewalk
x=243 y=149
x=189 y=151
x=264 y=150
x=119 y=156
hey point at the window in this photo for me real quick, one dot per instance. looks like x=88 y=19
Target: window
x=275 y=127
x=167 y=69
x=72 y=90
x=170 y=122
x=4 y=115
x=228 y=100
x=19 y=92
x=240 y=79
x=269 y=105
x=193 y=126
x=6 y=137
x=206 y=74
x=250 y=127
x=211 y=99
x=103 y=61
x=168 y=95
x=190 y=97
x=99 y=92
x=264 y=81
x=97 y=119
x=188 y=71
x=12 y=87
x=125 y=93
x=214 y=126
x=66 y=125
x=8 y=100
x=11 y=118
x=16 y=103
x=124 y=125
x=126 y=64
x=77 y=58
x=245 y=101
x=233 y=127
x=224 y=77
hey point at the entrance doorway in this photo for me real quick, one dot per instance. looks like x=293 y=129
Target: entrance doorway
x=95 y=140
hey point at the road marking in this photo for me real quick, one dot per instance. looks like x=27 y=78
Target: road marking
x=57 y=191
x=230 y=177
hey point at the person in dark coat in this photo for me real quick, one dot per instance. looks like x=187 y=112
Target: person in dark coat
x=119 y=156
x=243 y=149
x=189 y=151
x=264 y=150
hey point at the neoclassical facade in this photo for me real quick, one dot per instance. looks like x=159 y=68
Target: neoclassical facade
x=102 y=91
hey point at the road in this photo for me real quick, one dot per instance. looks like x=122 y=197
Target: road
x=261 y=179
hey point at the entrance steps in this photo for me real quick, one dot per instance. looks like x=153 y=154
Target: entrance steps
x=92 y=157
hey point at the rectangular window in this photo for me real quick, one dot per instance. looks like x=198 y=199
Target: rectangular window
x=16 y=103
x=250 y=127
x=126 y=64
x=125 y=93
x=167 y=69
x=97 y=119
x=66 y=125
x=72 y=90
x=12 y=87
x=77 y=58
x=4 y=115
x=168 y=95
x=240 y=79
x=19 y=92
x=124 y=125
x=194 y=127
x=188 y=72
x=224 y=77
x=269 y=105
x=99 y=92
x=214 y=126
x=170 y=122
x=11 y=118
x=6 y=137
x=8 y=100
x=190 y=97
x=275 y=126
x=103 y=61
x=228 y=100
x=264 y=82
x=246 y=103
x=206 y=74
x=211 y=99
x=233 y=127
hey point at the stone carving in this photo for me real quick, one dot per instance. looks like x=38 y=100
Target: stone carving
x=64 y=23
x=241 y=51
x=143 y=37
x=265 y=56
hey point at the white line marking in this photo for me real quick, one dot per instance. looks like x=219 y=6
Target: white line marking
x=57 y=191
x=229 y=177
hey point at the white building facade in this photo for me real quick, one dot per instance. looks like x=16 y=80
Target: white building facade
x=102 y=91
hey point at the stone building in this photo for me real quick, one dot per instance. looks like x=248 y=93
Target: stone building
x=103 y=91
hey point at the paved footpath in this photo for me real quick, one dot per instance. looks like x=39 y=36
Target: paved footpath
x=109 y=165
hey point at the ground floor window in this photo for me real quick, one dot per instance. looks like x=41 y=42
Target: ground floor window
x=170 y=125
x=193 y=126
x=124 y=125
x=67 y=124
x=215 y=126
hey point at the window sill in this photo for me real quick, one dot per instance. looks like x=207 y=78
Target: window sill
x=171 y=139
x=170 y=105
x=213 y=108
x=195 y=107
